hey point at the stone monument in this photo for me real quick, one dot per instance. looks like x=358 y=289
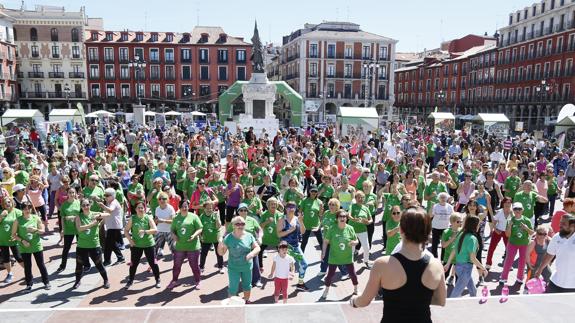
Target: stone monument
x=259 y=94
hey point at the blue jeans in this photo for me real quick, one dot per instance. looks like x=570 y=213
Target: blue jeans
x=463 y=272
x=323 y=266
x=301 y=264
x=256 y=276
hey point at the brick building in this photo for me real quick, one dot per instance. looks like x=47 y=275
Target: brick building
x=181 y=69
x=324 y=63
x=7 y=63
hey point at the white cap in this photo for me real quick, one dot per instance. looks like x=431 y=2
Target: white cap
x=110 y=191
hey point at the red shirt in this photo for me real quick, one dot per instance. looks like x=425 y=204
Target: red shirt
x=174 y=201
x=308 y=163
x=556 y=221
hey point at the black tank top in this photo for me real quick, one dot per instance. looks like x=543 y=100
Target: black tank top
x=409 y=303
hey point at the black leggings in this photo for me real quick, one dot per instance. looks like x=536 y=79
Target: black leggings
x=222 y=210
x=305 y=238
x=204 y=254
x=435 y=241
x=263 y=248
x=370 y=230
x=68 y=239
x=39 y=258
x=111 y=244
x=5 y=254
x=136 y=255
x=83 y=256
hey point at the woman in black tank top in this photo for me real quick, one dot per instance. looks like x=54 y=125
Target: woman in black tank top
x=407 y=301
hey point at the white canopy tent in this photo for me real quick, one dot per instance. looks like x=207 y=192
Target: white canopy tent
x=358 y=119
x=173 y=113
x=496 y=124
x=100 y=113
x=32 y=115
x=59 y=115
x=442 y=120
x=491 y=117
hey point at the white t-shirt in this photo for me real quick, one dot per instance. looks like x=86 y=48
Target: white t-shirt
x=283 y=266
x=114 y=221
x=501 y=221
x=441 y=214
x=165 y=214
x=564 y=251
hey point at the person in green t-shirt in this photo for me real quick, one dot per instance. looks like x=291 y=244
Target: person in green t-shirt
x=432 y=191
x=464 y=255
x=88 y=244
x=254 y=203
x=269 y=220
x=552 y=190
x=190 y=183
x=259 y=172
x=341 y=239
x=360 y=218
x=186 y=231
x=7 y=218
x=293 y=193
x=312 y=209
x=211 y=231
x=135 y=193
x=329 y=220
x=448 y=242
x=140 y=232
x=181 y=178
x=325 y=189
x=519 y=230
x=512 y=183
x=243 y=248
x=94 y=192
x=528 y=199
x=392 y=230
x=69 y=210
x=26 y=230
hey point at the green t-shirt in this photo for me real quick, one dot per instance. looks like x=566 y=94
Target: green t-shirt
x=190 y=186
x=528 y=201
x=511 y=186
x=325 y=192
x=149 y=178
x=254 y=205
x=340 y=252
x=32 y=238
x=89 y=238
x=431 y=150
x=392 y=241
x=181 y=179
x=252 y=226
x=270 y=237
x=260 y=172
x=154 y=203
x=22 y=177
x=359 y=183
x=329 y=219
x=69 y=210
x=184 y=228
x=197 y=164
x=291 y=195
x=238 y=249
x=210 y=227
x=372 y=208
x=552 y=186
x=361 y=212
x=519 y=237
x=437 y=188
x=310 y=209
x=219 y=188
x=97 y=192
x=447 y=234
x=391 y=200
x=246 y=179
x=469 y=245
x=135 y=188
x=142 y=223
x=6 y=228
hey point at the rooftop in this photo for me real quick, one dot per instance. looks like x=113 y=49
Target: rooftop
x=334 y=30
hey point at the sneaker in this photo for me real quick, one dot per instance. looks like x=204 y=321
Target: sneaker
x=325 y=293
x=259 y=284
x=519 y=281
x=47 y=286
x=158 y=284
x=28 y=288
x=202 y=270
x=60 y=269
x=450 y=281
x=480 y=282
x=321 y=274
x=302 y=287
x=160 y=254
x=128 y=284
x=484 y=295
x=345 y=277
x=221 y=271
x=9 y=278
x=248 y=302
x=87 y=269
x=106 y=284
x=76 y=285
x=504 y=294
x=367 y=265
x=120 y=261
x=502 y=281
x=198 y=286
x=107 y=263
x=172 y=285
x=355 y=290
x=488 y=267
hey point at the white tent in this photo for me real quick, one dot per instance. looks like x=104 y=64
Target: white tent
x=491 y=117
x=11 y=115
x=100 y=113
x=440 y=116
x=66 y=115
x=568 y=110
x=358 y=119
x=197 y=113
x=173 y=113
x=564 y=125
x=150 y=114
x=496 y=124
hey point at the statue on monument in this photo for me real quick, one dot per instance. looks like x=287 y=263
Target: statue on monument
x=257 y=52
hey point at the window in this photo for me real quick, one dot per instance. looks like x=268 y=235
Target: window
x=222 y=73
x=125 y=89
x=154 y=55
x=383 y=52
x=139 y=36
x=330 y=90
x=347 y=70
x=204 y=73
x=204 y=55
x=222 y=55
x=170 y=72
x=124 y=56
x=313 y=50
x=95 y=90
x=33 y=34
x=155 y=88
x=35 y=52
x=139 y=54
x=108 y=54
x=124 y=72
x=347 y=91
x=155 y=72
x=241 y=56
x=366 y=52
x=312 y=90
x=331 y=51
x=94 y=71
x=186 y=55
x=54 y=34
x=313 y=69
x=109 y=36
x=186 y=72
x=222 y=89
x=169 y=55
x=110 y=90
x=75 y=51
x=169 y=37
x=241 y=73
x=94 y=36
x=205 y=91
x=187 y=91
x=383 y=72
x=75 y=35
x=55 y=51
x=348 y=51
x=170 y=91
x=154 y=37
x=109 y=72
x=330 y=70
x=93 y=54
x=141 y=90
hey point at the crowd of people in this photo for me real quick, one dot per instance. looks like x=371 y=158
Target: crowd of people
x=442 y=198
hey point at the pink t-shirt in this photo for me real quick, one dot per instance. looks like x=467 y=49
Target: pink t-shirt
x=541 y=187
x=36 y=197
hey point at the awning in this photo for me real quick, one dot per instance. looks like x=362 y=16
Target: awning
x=99 y=113
x=357 y=112
x=441 y=116
x=172 y=113
x=567 y=121
x=13 y=114
x=491 y=117
x=197 y=113
x=150 y=114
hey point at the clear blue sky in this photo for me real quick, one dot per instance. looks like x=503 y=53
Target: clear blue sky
x=417 y=24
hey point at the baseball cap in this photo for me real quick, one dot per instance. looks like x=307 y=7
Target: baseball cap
x=313 y=188
x=18 y=187
x=517 y=205
x=242 y=206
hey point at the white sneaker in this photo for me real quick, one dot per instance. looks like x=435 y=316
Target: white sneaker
x=345 y=277
x=321 y=274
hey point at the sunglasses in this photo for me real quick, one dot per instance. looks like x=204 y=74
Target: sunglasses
x=85 y=205
x=163 y=199
x=240 y=224
x=342 y=217
x=394 y=213
x=243 y=210
x=201 y=183
x=541 y=233
x=517 y=209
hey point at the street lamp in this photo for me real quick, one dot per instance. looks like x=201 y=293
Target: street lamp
x=440 y=96
x=138 y=64
x=67 y=91
x=543 y=88
x=370 y=68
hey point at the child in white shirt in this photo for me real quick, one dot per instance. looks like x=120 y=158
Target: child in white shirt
x=283 y=268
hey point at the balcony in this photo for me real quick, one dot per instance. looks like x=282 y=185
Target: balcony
x=222 y=60
x=313 y=55
x=74 y=56
x=125 y=77
x=56 y=75
x=94 y=76
x=154 y=77
x=124 y=59
x=171 y=96
x=56 y=95
x=56 y=56
x=35 y=55
x=186 y=59
x=296 y=56
x=76 y=75
x=20 y=75
x=77 y=95
x=36 y=75
x=240 y=61
x=109 y=77
x=35 y=95
x=170 y=77
x=93 y=59
x=169 y=60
